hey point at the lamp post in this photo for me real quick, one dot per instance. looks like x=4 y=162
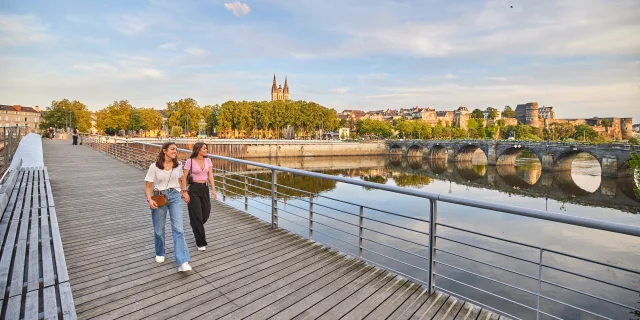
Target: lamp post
x=201 y=126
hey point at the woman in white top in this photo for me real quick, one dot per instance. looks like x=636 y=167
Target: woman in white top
x=165 y=175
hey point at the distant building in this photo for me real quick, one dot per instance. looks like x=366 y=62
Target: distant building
x=19 y=116
x=636 y=127
x=528 y=114
x=279 y=93
x=546 y=112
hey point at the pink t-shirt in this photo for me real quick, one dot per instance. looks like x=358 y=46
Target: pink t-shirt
x=198 y=173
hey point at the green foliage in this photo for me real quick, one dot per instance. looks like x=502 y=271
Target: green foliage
x=492 y=131
x=522 y=132
x=633 y=140
x=493 y=113
x=115 y=117
x=508 y=112
x=477 y=114
x=585 y=132
x=559 y=131
x=176 y=131
x=374 y=127
x=60 y=113
x=475 y=128
x=185 y=113
x=634 y=169
x=605 y=123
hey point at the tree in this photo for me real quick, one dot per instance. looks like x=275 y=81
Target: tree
x=605 y=123
x=586 y=133
x=65 y=113
x=560 y=131
x=633 y=140
x=184 y=113
x=477 y=114
x=136 y=122
x=493 y=113
x=114 y=117
x=176 y=131
x=508 y=112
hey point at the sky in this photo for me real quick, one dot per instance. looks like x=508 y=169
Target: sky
x=580 y=56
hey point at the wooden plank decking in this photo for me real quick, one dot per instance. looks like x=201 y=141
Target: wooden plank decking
x=248 y=270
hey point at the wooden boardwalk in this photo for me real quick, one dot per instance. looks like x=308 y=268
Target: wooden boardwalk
x=248 y=270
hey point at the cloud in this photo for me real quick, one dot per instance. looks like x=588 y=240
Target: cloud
x=18 y=30
x=238 y=8
x=131 y=24
x=340 y=90
x=450 y=76
x=196 y=51
x=169 y=45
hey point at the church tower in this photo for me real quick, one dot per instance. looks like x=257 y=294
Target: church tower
x=279 y=93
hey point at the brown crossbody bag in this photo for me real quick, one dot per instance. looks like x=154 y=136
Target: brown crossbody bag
x=159 y=198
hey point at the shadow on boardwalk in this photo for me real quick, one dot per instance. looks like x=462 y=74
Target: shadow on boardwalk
x=248 y=270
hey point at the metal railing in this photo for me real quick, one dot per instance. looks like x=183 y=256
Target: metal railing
x=9 y=140
x=425 y=249
x=238 y=141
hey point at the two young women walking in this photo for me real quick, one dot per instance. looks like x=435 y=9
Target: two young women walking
x=168 y=177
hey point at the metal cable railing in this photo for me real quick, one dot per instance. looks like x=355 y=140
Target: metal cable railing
x=9 y=140
x=409 y=246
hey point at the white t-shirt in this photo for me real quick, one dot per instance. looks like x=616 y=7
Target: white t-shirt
x=159 y=177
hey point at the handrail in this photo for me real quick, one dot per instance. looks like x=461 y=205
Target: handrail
x=327 y=224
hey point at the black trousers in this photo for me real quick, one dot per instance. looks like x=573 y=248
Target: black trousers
x=199 y=210
x=75 y=140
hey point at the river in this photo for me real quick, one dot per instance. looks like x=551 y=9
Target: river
x=581 y=192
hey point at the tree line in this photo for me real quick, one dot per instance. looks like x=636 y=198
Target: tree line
x=271 y=119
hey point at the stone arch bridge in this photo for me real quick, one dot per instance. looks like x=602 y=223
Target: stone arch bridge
x=553 y=156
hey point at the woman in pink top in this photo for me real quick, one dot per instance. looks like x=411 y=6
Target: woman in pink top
x=199 y=203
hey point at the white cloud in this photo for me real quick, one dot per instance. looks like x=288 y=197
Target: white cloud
x=196 y=51
x=340 y=90
x=238 y=8
x=450 y=76
x=17 y=30
x=169 y=45
x=131 y=24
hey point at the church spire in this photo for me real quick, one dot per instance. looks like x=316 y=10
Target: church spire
x=274 y=87
x=286 y=85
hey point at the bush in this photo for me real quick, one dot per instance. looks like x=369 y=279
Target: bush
x=633 y=140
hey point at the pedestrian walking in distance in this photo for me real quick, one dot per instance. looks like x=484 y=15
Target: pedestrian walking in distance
x=163 y=177
x=200 y=168
x=75 y=136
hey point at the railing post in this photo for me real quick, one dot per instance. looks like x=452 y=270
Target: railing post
x=539 y=283
x=128 y=153
x=433 y=215
x=224 y=185
x=361 y=230
x=246 y=197
x=6 y=148
x=274 y=199
x=311 y=217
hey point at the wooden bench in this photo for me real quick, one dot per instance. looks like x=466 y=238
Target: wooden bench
x=34 y=282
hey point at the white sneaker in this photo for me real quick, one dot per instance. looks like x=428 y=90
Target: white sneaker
x=159 y=259
x=184 y=267
x=202 y=248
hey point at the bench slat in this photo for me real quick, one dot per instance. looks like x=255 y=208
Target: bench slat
x=33 y=280
x=13 y=308
x=61 y=264
x=31 y=305
x=47 y=259
x=66 y=301
x=50 y=303
x=7 y=216
x=43 y=194
x=49 y=194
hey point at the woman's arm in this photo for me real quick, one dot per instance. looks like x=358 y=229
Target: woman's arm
x=213 y=185
x=183 y=183
x=147 y=192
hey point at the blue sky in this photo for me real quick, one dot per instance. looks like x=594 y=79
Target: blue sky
x=581 y=56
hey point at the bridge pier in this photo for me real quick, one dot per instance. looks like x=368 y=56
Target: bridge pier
x=609 y=166
x=547 y=162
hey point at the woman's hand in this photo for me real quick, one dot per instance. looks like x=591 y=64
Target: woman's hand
x=152 y=204
x=213 y=195
x=185 y=197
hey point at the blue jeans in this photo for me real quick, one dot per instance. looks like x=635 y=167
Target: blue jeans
x=159 y=216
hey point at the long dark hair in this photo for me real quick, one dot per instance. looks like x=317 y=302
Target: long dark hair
x=160 y=158
x=196 y=149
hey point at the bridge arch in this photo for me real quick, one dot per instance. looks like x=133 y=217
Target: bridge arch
x=414 y=151
x=568 y=184
x=510 y=155
x=467 y=152
x=564 y=160
x=437 y=152
x=518 y=178
x=395 y=149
